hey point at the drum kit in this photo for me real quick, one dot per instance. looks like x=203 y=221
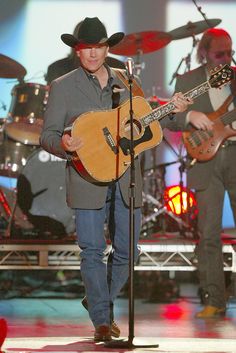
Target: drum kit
x=40 y=192
x=38 y=204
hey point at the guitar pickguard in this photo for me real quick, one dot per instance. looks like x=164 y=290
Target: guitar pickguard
x=125 y=142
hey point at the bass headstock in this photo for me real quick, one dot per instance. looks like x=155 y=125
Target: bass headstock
x=221 y=75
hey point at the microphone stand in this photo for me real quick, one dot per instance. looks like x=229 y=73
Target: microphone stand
x=129 y=342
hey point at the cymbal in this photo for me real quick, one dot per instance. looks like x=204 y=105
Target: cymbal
x=10 y=68
x=192 y=28
x=141 y=43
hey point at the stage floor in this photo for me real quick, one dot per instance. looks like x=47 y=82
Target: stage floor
x=62 y=325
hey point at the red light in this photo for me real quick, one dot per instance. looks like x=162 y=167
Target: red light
x=179 y=200
x=3 y=331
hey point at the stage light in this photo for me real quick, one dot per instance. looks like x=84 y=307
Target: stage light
x=180 y=200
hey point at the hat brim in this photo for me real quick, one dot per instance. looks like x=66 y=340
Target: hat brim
x=71 y=41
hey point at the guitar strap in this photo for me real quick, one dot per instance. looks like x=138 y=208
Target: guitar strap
x=137 y=90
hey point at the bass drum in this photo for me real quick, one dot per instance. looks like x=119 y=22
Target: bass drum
x=41 y=195
x=13 y=157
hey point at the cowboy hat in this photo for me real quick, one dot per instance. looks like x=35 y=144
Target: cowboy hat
x=91 y=31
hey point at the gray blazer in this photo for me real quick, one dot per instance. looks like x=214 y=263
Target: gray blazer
x=70 y=96
x=199 y=175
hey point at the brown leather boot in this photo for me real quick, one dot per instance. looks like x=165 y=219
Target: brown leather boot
x=210 y=311
x=102 y=334
x=115 y=331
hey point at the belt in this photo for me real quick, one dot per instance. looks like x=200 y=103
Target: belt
x=228 y=143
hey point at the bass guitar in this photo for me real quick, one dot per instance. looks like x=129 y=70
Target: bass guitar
x=106 y=134
x=203 y=145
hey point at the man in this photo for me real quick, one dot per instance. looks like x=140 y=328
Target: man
x=90 y=88
x=212 y=178
x=72 y=62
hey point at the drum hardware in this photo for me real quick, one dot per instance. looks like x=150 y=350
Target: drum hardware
x=156 y=201
x=25 y=116
x=5 y=205
x=38 y=206
x=3 y=105
x=191 y=29
x=13 y=155
x=154 y=206
x=41 y=195
x=14 y=223
x=141 y=43
x=190 y=227
x=11 y=218
x=160 y=209
x=209 y=22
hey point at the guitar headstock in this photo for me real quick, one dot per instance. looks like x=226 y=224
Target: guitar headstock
x=221 y=75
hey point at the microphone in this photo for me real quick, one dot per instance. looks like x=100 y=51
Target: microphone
x=130 y=68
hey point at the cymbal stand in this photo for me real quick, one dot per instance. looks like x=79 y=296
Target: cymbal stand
x=8 y=212
x=5 y=204
x=3 y=105
x=12 y=217
x=182 y=168
x=160 y=210
x=186 y=60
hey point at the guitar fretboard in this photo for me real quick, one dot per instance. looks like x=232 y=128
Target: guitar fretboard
x=166 y=109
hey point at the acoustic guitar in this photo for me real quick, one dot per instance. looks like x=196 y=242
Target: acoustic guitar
x=105 y=154
x=203 y=145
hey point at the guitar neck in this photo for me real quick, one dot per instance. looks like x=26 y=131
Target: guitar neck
x=164 y=110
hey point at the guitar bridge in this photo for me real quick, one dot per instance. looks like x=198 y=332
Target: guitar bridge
x=110 y=141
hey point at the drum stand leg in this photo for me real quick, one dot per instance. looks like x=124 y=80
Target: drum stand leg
x=160 y=210
x=8 y=211
x=5 y=204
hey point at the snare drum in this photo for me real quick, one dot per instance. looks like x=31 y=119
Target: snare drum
x=25 y=117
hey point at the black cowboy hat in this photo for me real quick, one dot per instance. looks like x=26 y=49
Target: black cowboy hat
x=92 y=31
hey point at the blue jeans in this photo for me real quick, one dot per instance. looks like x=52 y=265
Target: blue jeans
x=103 y=282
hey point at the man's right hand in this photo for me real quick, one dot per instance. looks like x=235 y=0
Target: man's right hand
x=200 y=120
x=71 y=144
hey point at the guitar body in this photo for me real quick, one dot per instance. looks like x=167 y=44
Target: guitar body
x=209 y=143
x=106 y=135
x=203 y=145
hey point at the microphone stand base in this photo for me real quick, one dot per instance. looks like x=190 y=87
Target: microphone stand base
x=128 y=343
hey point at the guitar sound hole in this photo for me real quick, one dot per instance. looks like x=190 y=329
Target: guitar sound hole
x=136 y=126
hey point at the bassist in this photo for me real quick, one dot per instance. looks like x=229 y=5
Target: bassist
x=212 y=178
